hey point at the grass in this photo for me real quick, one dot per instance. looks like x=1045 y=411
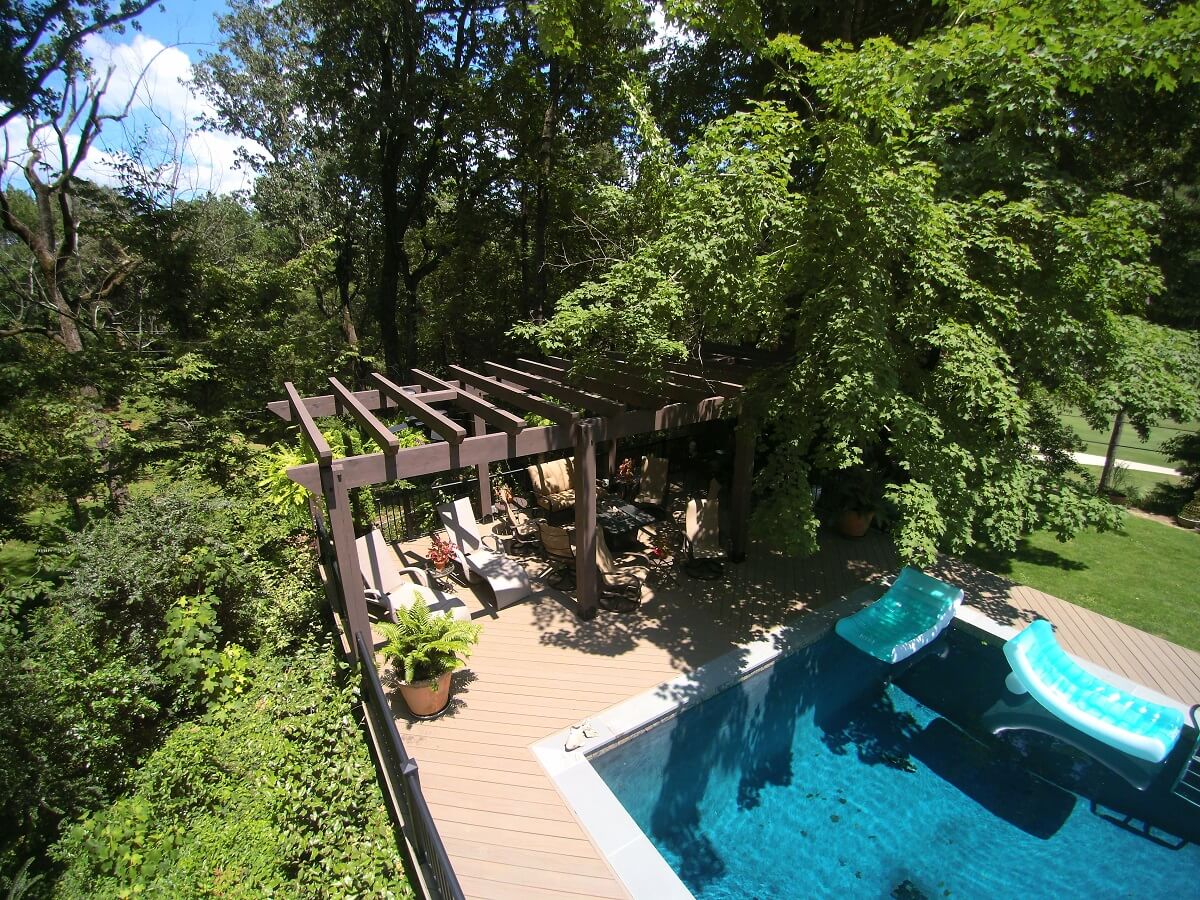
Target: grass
x=1137 y=483
x=17 y=561
x=1145 y=576
x=1131 y=447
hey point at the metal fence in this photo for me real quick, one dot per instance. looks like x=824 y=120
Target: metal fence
x=399 y=775
x=406 y=801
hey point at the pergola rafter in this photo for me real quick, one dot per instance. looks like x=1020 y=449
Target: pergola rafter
x=476 y=406
x=552 y=411
x=623 y=405
x=627 y=396
x=445 y=428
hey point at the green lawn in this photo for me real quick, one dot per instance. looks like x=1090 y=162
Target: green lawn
x=1131 y=448
x=1138 y=483
x=1147 y=577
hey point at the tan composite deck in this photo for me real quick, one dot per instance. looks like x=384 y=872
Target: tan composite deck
x=538 y=669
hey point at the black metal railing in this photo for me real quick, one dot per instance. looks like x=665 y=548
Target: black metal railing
x=406 y=802
x=398 y=772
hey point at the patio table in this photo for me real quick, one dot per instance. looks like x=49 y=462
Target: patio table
x=620 y=522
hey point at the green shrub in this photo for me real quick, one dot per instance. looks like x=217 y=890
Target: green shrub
x=271 y=793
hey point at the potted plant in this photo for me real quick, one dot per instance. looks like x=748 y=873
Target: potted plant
x=440 y=553
x=860 y=493
x=425 y=648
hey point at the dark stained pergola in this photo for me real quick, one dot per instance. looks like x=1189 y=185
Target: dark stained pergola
x=617 y=404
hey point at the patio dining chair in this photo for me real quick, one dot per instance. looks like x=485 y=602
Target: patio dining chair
x=389 y=586
x=653 y=489
x=522 y=527
x=479 y=562
x=702 y=533
x=624 y=575
x=559 y=547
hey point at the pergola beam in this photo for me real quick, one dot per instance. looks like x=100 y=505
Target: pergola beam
x=493 y=415
x=429 y=459
x=378 y=431
x=613 y=392
x=552 y=411
x=308 y=428
x=547 y=386
x=415 y=406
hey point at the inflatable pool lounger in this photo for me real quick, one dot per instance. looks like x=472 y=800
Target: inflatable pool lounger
x=1139 y=727
x=915 y=610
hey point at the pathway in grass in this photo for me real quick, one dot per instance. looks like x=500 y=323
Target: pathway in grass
x=1146 y=576
x=1132 y=447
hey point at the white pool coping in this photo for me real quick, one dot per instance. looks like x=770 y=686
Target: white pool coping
x=635 y=860
x=637 y=863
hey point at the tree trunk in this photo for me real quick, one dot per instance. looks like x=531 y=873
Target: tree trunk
x=1111 y=459
x=542 y=212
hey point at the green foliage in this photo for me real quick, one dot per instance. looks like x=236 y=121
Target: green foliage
x=424 y=645
x=191 y=654
x=900 y=227
x=288 y=498
x=273 y=793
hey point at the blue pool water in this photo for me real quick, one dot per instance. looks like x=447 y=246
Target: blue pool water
x=816 y=778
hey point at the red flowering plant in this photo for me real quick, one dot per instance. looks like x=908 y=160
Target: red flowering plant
x=625 y=470
x=440 y=552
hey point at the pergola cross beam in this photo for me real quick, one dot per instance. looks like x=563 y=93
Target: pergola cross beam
x=667 y=388
x=619 y=393
x=308 y=428
x=548 y=386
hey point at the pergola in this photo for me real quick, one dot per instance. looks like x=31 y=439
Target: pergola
x=617 y=403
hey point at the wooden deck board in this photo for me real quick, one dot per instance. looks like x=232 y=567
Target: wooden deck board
x=537 y=670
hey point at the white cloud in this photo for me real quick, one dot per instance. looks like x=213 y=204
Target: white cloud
x=154 y=82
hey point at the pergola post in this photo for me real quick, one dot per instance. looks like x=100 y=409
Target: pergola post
x=587 y=576
x=481 y=471
x=743 y=478
x=341 y=526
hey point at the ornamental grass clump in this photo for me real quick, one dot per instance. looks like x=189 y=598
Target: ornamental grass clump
x=423 y=645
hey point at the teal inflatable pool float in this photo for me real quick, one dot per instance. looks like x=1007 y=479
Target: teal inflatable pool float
x=1139 y=727
x=915 y=610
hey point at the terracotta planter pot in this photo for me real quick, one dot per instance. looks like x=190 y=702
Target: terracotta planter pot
x=854 y=524
x=423 y=702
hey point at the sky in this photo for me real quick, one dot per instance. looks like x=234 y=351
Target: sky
x=164 y=112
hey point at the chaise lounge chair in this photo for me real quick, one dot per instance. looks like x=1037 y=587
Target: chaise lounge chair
x=389 y=587
x=478 y=562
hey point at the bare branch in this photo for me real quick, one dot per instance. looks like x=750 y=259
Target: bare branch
x=69 y=44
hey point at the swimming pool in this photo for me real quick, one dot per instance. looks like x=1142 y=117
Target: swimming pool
x=814 y=777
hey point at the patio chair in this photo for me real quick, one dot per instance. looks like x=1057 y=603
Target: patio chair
x=503 y=574
x=623 y=575
x=653 y=489
x=559 y=546
x=554 y=484
x=389 y=586
x=702 y=533
x=522 y=527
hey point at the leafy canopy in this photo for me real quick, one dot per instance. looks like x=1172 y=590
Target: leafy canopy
x=899 y=224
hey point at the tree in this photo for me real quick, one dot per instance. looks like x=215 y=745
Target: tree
x=898 y=226
x=43 y=39
x=56 y=145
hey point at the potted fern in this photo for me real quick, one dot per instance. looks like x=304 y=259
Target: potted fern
x=425 y=648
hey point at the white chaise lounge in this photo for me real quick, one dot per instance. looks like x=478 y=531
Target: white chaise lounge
x=390 y=586
x=504 y=575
